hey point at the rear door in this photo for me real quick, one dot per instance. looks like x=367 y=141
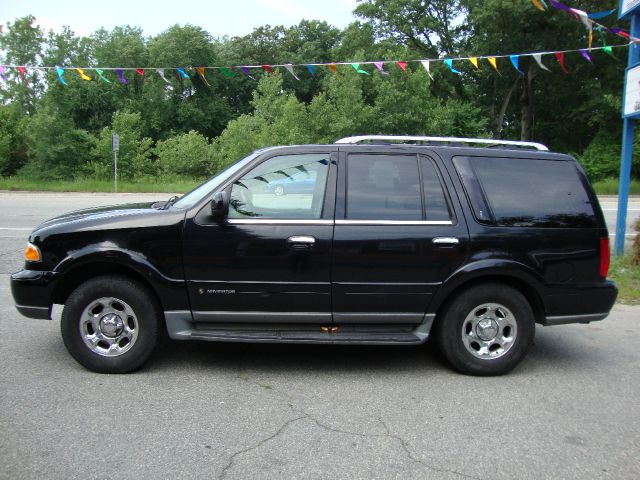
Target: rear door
x=397 y=236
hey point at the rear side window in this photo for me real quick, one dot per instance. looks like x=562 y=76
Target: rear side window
x=522 y=192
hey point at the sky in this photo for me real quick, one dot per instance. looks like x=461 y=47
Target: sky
x=234 y=17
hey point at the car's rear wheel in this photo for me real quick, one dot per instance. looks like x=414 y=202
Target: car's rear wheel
x=486 y=329
x=111 y=324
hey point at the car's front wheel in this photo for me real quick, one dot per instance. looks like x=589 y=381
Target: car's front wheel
x=111 y=324
x=486 y=329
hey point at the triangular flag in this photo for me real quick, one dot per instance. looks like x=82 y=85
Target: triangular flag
x=600 y=15
x=356 y=67
x=60 y=73
x=608 y=50
x=538 y=58
x=586 y=55
x=289 y=68
x=494 y=63
x=227 y=72
x=101 y=75
x=379 y=67
x=160 y=71
x=560 y=57
x=312 y=70
x=427 y=66
x=584 y=18
x=200 y=71
x=449 y=63
x=182 y=72
x=538 y=5
x=120 y=73
x=267 y=68
x=403 y=66
x=590 y=39
x=82 y=74
x=245 y=70
x=474 y=62
x=140 y=72
x=22 y=71
x=332 y=67
x=2 y=69
x=515 y=59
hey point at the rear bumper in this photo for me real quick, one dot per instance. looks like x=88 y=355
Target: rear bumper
x=578 y=305
x=32 y=292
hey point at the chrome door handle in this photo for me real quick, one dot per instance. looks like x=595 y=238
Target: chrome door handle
x=301 y=242
x=445 y=241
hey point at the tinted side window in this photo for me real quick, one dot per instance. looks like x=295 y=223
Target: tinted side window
x=531 y=192
x=435 y=202
x=287 y=187
x=383 y=187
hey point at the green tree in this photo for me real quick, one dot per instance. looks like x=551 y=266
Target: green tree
x=188 y=154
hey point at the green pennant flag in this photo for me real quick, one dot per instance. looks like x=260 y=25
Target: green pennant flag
x=99 y=71
x=227 y=73
x=608 y=50
x=356 y=67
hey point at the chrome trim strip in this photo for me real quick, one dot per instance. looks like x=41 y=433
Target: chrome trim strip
x=276 y=221
x=564 y=319
x=376 y=317
x=413 y=138
x=394 y=222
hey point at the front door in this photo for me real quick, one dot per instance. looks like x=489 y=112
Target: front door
x=270 y=260
x=397 y=237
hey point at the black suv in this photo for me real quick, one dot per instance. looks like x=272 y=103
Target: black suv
x=372 y=240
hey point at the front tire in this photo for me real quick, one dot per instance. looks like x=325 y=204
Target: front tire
x=111 y=324
x=486 y=329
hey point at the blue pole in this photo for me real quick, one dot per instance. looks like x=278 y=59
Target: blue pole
x=627 y=151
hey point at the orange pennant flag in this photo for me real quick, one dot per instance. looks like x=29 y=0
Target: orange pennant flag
x=474 y=61
x=538 y=5
x=202 y=76
x=332 y=67
x=494 y=63
x=83 y=75
x=590 y=39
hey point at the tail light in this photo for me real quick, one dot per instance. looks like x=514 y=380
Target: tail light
x=605 y=257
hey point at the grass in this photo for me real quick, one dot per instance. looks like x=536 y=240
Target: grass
x=609 y=186
x=90 y=185
x=627 y=278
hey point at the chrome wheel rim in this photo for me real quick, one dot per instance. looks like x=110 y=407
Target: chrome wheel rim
x=489 y=331
x=109 y=327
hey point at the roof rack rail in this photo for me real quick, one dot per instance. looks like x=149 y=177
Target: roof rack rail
x=436 y=140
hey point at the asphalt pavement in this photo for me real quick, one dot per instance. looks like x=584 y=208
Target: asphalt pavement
x=225 y=411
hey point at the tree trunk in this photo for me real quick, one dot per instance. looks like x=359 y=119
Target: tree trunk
x=497 y=128
x=526 y=114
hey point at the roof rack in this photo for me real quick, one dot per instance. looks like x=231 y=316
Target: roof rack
x=441 y=140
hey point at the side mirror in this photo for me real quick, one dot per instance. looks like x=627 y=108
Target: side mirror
x=219 y=206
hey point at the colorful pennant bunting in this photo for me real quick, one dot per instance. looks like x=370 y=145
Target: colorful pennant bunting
x=538 y=5
x=120 y=73
x=182 y=72
x=601 y=15
x=356 y=67
x=403 y=66
x=427 y=66
x=332 y=67
x=560 y=57
x=289 y=67
x=379 y=66
x=60 y=73
x=23 y=75
x=83 y=75
x=2 y=69
x=101 y=75
x=538 y=58
x=160 y=72
x=228 y=72
x=267 y=68
x=449 y=63
x=200 y=71
x=494 y=63
x=586 y=55
x=246 y=72
x=515 y=59
x=312 y=70
x=474 y=62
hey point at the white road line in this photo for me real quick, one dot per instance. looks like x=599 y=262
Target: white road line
x=626 y=234
x=16 y=229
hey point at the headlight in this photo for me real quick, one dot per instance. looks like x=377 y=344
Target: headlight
x=32 y=253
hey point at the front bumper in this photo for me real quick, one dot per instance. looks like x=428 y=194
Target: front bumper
x=33 y=292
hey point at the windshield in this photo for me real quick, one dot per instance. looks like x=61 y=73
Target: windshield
x=198 y=193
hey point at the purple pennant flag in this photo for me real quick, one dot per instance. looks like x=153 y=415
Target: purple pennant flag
x=379 y=67
x=245 y=70
x=4 y=79
x=560 y=6
x=586 y=55
x=121 y=75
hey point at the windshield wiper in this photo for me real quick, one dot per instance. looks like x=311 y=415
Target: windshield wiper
x=170 y=202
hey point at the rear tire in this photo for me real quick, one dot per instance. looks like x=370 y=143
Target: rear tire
x=486 y=329
x=111 y=324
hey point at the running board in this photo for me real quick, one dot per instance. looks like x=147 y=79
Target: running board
x=180 y=328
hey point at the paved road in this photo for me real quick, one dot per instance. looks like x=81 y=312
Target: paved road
x=258 y=411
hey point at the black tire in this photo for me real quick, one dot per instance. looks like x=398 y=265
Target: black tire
x=458 y=329
x=132 y=303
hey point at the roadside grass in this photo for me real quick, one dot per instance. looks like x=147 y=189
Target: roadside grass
x=89 y=185
x=609 y=186
x=627 y=278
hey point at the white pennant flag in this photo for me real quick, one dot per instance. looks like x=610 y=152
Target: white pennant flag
x=427 y=67
x=289 y=67
x=538 y=58
x=161 y=73
x=584 y=17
